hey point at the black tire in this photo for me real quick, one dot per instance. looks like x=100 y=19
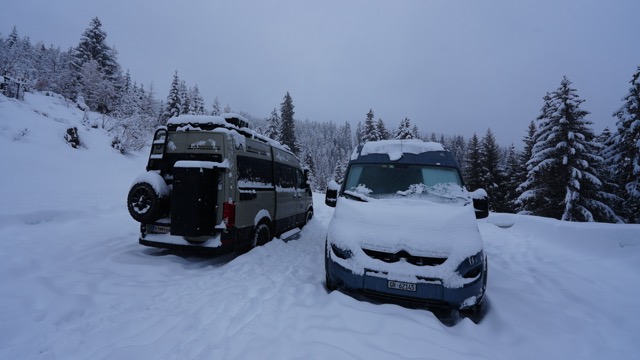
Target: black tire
x=261 y=235
x=144 y=203
x=328 y=283
x=308 y=216
x=327 y=279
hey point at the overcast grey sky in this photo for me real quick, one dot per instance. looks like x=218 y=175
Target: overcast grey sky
x=451 y=66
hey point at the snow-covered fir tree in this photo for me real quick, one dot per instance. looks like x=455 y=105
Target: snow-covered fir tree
x=563 y=181
x=287 y=123
x=274 y=127
x=185 y=99
x=339 y=172
x=404 y=130
x=173 y=106
x=197 y=102
x=458 y=147
x=472 y=168
x=370 y=131
x=416 y=132
x=216 y=107
x=511 y=180
x=382 y=130
x=93 y=46
x=359 y=134
x=94 y=60
x=492 y=174
x=623 y=154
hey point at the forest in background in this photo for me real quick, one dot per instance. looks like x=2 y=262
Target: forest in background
x=561 y=170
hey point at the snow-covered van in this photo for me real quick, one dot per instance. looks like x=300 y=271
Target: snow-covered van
x=212 y=183
x=404 y=228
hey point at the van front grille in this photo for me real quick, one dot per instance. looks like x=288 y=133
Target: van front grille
x=395 y=257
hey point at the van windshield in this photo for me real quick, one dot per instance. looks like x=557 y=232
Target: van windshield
x=403 y=180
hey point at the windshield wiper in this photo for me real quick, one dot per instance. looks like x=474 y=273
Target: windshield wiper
x=355 y=196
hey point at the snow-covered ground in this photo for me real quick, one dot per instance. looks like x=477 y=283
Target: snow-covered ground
x=75 y=284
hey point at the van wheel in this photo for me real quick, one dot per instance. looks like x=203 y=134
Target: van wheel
x=308 y=216
x=144 y=203
x=261 y=235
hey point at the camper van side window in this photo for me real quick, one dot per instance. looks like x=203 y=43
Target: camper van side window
x=286 y=176
x=254 y=173
x=301 y=182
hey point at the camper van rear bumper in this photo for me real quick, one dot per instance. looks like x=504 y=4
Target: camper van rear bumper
x=210 y=245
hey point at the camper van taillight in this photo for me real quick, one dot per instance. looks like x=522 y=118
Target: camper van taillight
x=229 y=214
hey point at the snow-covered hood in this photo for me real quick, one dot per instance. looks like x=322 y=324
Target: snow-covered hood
x=418 y=226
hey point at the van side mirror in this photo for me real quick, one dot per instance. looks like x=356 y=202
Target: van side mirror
x=331 y=196
x=480 y=203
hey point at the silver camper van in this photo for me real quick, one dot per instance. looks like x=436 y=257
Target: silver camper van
x=213 y=184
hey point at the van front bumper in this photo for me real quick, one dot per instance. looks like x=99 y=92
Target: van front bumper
x=428 y=292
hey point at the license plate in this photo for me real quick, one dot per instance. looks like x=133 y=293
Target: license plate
x=399 y=285
x=159 y=229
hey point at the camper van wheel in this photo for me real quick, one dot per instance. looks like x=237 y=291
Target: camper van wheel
x=261 y=235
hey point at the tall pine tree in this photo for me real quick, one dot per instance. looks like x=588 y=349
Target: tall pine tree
x=472 y=168
x=274 y=126
x=624 y=152
x=370 y=132
x=492 y=174
x=563 y=181
x=288 y=130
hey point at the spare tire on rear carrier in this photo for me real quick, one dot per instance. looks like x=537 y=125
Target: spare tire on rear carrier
x=148 y=198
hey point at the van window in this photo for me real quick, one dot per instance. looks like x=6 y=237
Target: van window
x=286 y=176
x=301 y=181
x=254 y=173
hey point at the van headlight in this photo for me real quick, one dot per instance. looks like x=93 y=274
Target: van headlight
x=341 y=253
x=472 y=266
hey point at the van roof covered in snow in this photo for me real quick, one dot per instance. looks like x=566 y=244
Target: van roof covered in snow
x=411 y=151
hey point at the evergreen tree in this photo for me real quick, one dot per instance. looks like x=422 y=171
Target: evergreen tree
x=492 y=174
x=523 y=169
x=197 y=102
x=404 y=130
x=458 y=147
x=563 y=181
x=93 y=48
x=511 y=180
x=216 y=107
x=173 y=106
x=288 y=124
x=274 y=127
x=339 y=172
x=344 y=141
x=416 y=132
x=472 y=169
x=185 y=98
x=359 y=135
x=308 y=163
x=370 y=132
x=382 y=130
x=608 y=172
x=624 y=152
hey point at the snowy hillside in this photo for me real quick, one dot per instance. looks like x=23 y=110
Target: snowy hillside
x=76 y=284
